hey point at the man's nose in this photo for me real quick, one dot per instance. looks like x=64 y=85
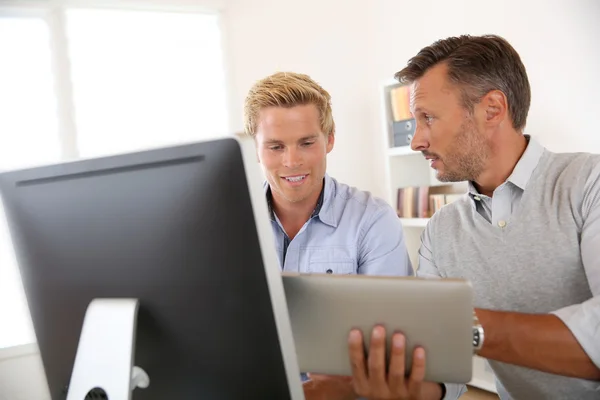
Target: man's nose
x=292 y=158
x=420 y=141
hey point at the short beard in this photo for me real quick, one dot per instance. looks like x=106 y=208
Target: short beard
x=466 y=157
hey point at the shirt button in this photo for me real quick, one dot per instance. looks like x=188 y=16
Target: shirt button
x=477 y=198
x=501 y=224
x=329 y=271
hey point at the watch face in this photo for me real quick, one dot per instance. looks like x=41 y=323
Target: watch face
x=476 y=337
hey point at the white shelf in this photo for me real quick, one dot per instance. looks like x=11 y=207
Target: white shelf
x=483 y=376
x=483 y=384
x=414 y=222
x=404 y=168
x=401 y=151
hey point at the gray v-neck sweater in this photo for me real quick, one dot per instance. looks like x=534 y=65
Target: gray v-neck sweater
x=532 y=265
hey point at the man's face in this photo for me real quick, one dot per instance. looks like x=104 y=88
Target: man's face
x=446 y=133
x=292 y=150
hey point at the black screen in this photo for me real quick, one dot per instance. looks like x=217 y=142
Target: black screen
x=172 y=227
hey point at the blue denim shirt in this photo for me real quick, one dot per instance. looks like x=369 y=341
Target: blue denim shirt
x=350 y=232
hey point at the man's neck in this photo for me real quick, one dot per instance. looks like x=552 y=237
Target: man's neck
x=505 y=156
x=294 y=215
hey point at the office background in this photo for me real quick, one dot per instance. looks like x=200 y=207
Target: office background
x=91 y=78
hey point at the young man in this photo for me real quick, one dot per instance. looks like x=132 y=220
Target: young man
x=320 y=224
x=526 y=234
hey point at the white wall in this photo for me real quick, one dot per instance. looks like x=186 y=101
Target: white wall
x=351 y=46
x=332 y=41
x=557 y=41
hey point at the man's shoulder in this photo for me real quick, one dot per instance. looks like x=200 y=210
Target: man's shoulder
x=359 y=198
x=571 y=171
x=454 y=212
x=575 y=162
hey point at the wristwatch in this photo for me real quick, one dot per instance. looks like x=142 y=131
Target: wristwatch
x=478 y=334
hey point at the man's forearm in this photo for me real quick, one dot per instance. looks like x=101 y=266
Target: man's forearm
x=325 y=387
x=541 y=342
x=431 y=391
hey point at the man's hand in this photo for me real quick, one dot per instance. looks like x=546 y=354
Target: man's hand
x=371 y=379
x=329 y=387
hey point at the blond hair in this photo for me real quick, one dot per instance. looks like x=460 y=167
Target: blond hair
x=287 y=89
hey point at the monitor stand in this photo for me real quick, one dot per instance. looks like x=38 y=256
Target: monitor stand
x=105 y=352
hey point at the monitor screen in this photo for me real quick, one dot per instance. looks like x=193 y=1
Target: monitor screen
x=184 y=230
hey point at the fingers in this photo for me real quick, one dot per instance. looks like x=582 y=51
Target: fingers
x=374 y=381
x=377 y=371
x=356 y=351
x=397 y=367
x=417 y=373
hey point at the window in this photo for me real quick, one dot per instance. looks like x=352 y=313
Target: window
x=154 y=78
x=28 y=135
x=27 y=100
x=157 y=84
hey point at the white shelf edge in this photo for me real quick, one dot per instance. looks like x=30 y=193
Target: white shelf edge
x=483 y=377
x=401 y=151
x=414 y=222
x=484 y=384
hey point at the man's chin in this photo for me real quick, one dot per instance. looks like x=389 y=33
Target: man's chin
x=295 y=199
x=449 y=178
x=442 y=177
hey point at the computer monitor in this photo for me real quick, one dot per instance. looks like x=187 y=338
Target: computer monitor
x=185 y=231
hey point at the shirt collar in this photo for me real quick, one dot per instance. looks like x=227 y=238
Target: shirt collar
x=524 y=168
x=527 y=164
x=327 y=212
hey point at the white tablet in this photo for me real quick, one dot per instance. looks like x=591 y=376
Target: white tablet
x=436 y=314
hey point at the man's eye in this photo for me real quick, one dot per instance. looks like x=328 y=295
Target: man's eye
x=277 y=147
x=307 y=144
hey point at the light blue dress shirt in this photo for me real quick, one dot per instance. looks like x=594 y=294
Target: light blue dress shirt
x=350 y=232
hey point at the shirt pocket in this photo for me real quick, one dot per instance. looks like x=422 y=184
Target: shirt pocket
x=331 y=260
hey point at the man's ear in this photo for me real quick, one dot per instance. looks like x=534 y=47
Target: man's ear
x=330 y=141
x=494 y=106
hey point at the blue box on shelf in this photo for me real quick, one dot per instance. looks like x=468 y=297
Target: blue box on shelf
x=403 y=132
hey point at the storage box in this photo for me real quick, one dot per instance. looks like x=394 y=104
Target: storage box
x=403 y=132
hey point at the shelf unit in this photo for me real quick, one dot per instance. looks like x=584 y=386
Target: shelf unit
x=404 y=168
x=483 y=376
x=414 y=222
x=400 y=151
